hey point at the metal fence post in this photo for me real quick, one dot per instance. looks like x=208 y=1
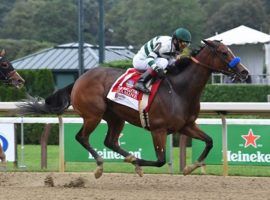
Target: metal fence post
x=61 y=145
x=22 y=165
x=224 y=145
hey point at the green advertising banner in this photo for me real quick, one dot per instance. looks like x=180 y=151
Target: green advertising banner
x=247 y=144
x=133 y=139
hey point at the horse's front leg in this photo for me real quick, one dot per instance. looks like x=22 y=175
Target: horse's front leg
x=115 y=126
x=194 y=132
x=159 y=140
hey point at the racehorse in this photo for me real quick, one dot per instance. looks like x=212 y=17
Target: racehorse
x=174 y=109
x=8 y=76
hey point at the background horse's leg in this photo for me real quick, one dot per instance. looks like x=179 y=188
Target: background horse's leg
x=2 y=158
x=82 y=137
x=2 y=154
x=194 y=132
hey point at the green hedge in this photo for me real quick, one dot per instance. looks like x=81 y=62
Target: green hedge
x=32 y=133
x=235 y=93
x=123 y=64
x=11 y=94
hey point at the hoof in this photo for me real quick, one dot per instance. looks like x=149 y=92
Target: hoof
x=188 y=169
x=203 y=169
x=130 y=159
x=98 y=172
x=139 y=170
x=3 y=166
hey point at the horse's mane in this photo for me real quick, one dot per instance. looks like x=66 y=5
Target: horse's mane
x=181 y=64
x=196 y=51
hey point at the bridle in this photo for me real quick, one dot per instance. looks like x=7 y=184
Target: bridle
x=231 y=64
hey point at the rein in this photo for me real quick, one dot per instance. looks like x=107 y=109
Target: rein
x=202 y=64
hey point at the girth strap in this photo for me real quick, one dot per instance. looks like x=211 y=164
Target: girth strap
x=142 y=113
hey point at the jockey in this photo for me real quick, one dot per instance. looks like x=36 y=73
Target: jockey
x=157 y=54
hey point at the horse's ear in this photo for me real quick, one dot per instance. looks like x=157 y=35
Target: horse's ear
x=209 y=43
x=3 y=52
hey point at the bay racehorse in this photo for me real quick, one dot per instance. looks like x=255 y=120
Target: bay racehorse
x=174 y=109
x=8 y=76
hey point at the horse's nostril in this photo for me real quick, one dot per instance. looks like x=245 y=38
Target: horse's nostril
x=244 y=73
x=21 y=81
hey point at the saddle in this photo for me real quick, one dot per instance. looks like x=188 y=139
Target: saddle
x=123 y=92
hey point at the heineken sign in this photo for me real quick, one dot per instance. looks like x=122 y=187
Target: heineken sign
x=246 y=157
x=136 y=141
x=247 y=144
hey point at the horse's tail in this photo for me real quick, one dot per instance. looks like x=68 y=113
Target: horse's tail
x=56 y=103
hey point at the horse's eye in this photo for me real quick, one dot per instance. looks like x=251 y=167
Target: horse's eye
x=225 y=54
x=4 y=64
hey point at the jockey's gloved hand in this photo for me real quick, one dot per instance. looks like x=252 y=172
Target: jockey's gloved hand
x=160 y=72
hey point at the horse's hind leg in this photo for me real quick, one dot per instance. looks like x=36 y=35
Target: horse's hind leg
x=194 y=132
x=82 y=137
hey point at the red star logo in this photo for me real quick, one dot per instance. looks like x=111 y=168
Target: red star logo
x=250 y=139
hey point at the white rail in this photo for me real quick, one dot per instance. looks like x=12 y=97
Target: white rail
x=236 y=107
x=206 y=107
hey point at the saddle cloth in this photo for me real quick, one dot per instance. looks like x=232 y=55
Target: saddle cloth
x=122 y=90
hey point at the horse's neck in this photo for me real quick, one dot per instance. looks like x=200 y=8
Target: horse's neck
x=191 y=81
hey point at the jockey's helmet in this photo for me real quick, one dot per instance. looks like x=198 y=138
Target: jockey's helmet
x=182 y=37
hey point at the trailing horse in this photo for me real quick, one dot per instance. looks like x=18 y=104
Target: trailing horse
x=8 y=76
x=174 y=109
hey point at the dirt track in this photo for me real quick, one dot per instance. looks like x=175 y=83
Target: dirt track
x=32 y=186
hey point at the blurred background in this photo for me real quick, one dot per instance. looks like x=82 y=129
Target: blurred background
x=29 y=25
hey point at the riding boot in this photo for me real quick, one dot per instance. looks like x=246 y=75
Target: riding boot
x=145 y=77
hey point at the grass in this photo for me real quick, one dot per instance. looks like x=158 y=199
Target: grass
x=32 y=161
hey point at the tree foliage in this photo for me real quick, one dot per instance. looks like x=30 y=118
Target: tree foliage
x=127 y=22
x=18 y=48
x=235 y=13
x=5 y=7
x=53 y=21
x=137 y=25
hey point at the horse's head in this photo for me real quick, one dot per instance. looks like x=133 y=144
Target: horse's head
x=224 y=61
x=8 y=74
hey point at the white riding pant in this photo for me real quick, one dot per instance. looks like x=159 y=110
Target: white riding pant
x=141 y=63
